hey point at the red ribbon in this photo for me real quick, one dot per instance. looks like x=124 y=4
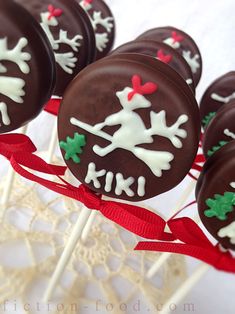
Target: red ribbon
x=194 y=243
x=18 y=149
x=53 y=106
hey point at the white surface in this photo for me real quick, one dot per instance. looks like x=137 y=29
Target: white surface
x=211 y=23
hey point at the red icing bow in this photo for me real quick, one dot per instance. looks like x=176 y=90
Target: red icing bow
x=176 y=37
x=164 y=58
x=86 y=2
x=54 y=12
x=146 y=89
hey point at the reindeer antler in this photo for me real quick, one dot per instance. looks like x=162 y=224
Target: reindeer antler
x=176 y=37
x=54 y=12
x=146 y=89
x=164 y=58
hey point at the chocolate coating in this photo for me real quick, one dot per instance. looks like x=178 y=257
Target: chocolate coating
x=215 y=179
x=221 y=129
x=91 y=98
x=72 y=52
x=105 y=28
x=162 y=52
x=223 y=87
x=27 y=68
x=185 y=44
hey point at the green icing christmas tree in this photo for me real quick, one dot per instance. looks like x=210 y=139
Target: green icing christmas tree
x=207 y=119
x=216 y=148
x=220 y=206
x=73 y=147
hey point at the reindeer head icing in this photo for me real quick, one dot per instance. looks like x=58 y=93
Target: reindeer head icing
x=133 y=98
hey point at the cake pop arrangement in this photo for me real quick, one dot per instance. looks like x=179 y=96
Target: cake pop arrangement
x=162 y=52
x=180 y=41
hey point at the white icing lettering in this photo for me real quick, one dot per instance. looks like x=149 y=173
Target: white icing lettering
x=109 y=181
x=123 y=185
x=141 y=186
x=93 y=175
x=67 y=61
x=229 y=232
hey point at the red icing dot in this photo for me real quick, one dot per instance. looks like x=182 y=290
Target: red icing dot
x=146 y=89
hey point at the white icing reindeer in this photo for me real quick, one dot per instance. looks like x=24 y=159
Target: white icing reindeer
x=133 y=132
x=67 y=61
x=12 y=87
x=96 y=20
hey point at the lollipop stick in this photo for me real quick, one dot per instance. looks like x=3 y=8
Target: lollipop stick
x=9 y=181
x=165 y=256
x=185 y=288
x=53 y=143
x=68 y=251
x=88 y=226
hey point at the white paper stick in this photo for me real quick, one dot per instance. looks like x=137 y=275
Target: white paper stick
x=68 y=251
x=53 y=143
x=185 y=288
x=9 y=182
x=88 y=226
x=165 y=256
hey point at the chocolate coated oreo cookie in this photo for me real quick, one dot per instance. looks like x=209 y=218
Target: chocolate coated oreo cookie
x=221 y=130
x=180 y=41
x=219 y=93
x=27 y=68
x=161 y=52
x=103 y=24
x=70 y=33
x=129 y=127
x=216 y=196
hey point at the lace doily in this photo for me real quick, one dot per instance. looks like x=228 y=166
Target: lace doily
x=104 y=274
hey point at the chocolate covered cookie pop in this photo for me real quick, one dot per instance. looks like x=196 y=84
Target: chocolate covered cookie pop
x=180 y=41
x=27 y=69
x=161 y=52
x=129 y=127
x=103 y=24
x=219 y=93
x=216 y=196
x=221 y=130
x=70 y=33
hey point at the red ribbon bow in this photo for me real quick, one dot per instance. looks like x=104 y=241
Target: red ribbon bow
x=19 y=149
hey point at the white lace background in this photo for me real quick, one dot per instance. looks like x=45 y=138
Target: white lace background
x=32 y=241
